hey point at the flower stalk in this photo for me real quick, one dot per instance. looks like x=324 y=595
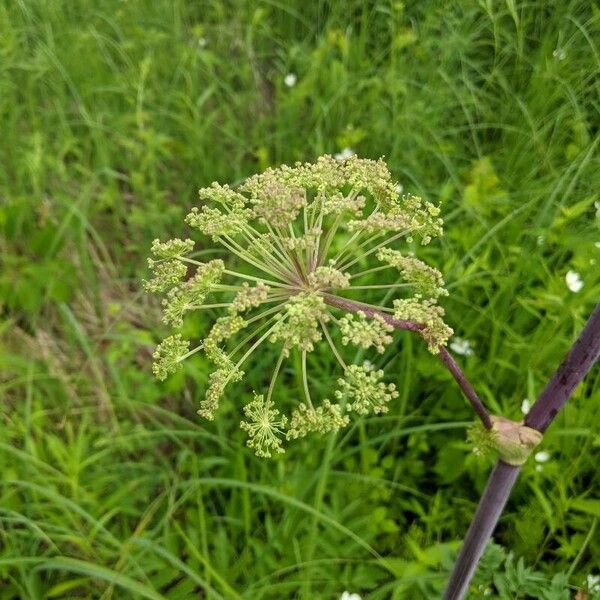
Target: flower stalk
x=443 y=354
x=580 y=359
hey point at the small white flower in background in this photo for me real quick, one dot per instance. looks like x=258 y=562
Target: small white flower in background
x=597 y=206
x=540 y=240
x=597 y=244
x=399 y=188
x=525 y=406
x=348 y=596
x=202 y=42
x=344 y=154
x=461 y=346
x=593 y=583
x=559 y=54
x=290 y=80
x=574 y=282
x=542 y=457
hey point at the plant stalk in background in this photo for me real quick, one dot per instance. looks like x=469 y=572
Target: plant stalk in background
x=573 y=369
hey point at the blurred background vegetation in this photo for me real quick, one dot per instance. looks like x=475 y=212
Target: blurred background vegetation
x=112 y=114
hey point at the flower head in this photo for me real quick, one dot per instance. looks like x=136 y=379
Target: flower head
x=593 y=583
x=363 y=391
x=168 y=355
x=300 y=242
x=264 y=426
x=573 y=281
x=461 y=346
x=542 y=457
x=323 y=419
x=359 y=330
x=428 y=313
x=290 y=80
x=350 y=596
x=344 y=154
x=425 y=280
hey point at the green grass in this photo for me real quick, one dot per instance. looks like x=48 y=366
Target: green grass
x=112 y=114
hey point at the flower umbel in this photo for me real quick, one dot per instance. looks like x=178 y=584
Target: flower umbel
x=168 y=355
x=301 y=242
x=363 y=390
x=264 y=426
x=363 y=332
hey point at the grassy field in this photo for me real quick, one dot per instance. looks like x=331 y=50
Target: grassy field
x=112 y=114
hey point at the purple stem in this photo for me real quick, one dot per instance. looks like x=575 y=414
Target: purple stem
x=443 y=354
x=491 y=505
x=466 y=386
x=354 y=306
x=577 y=363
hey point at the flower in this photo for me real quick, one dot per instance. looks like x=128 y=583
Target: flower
x=574 y=282
x=298 y=242
x=541 y=458
x=597 y=207
x=363 y=390
x=461 y=346
x=323 y=419
x=525 y=406
x=349 y=596
x=263 y=426
x=425 y=280
x=364 y=332
x=344 y=154
x=593 y=583
x=168 y=354
x=427 y=312
x=290 y=80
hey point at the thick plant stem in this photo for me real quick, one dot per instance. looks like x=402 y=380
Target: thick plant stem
x=482 y=526
x=443 y=354
x=573 y=369
x=577 y=363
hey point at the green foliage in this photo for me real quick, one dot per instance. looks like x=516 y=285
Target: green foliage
x=113 y=115
x=503 y=577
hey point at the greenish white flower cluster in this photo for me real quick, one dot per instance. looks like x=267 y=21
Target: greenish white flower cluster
x=364 y=332
x=298 y=242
